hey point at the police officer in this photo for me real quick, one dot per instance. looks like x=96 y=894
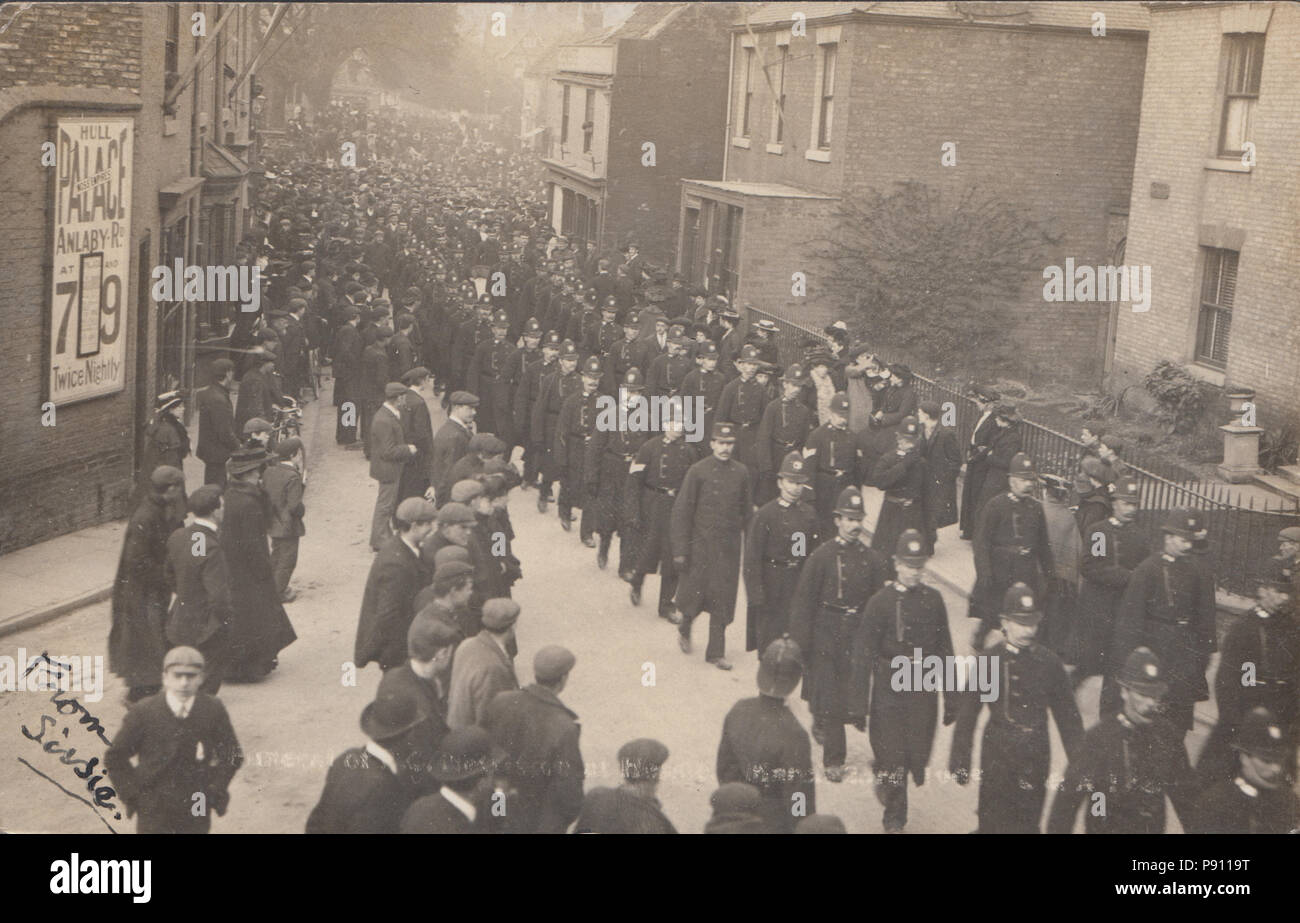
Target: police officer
x=903 y=475
x=1126 y=765
x=553 y=390
x=832 y=452
x=622 y=354
x=711 y=512
x=785 y=426
x=527 y=391
x=610 y=454
x=825 y=612
x=1011 y=545
x=1166 y=608
x=905 y=622
x=1112 y=548
x=1015 y=755
x=705 y=381
x=764 y=745
x=516 y=373
x=781 y=535
x=655 y=476
x=488 y=377
x=1259 y=666
x=742 y=403
x=1259 y=798
x=573 y=430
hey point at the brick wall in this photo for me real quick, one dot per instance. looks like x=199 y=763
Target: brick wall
x=772 y=227
x=78 y=472
x=680 y=104
x=93 y=45
x=1181 y=113
x=1045 y=120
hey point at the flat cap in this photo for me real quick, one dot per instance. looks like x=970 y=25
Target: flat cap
x=411 y=376
x=287 y=448
x=448 y=553
x=486 y=443
x=183 y=657
x=427 y=636
x=500 y=613
x=736 y=798
x=465 y=753
x=166 y=476
x=641 y=758
x=394 y=389
x=466 y=490
x=451 y=571
x=257 y=425
x=204 y=499
x=415 y=509
x=552 y=662
x=463 y=398
x=1289 y=534
x=453 y=513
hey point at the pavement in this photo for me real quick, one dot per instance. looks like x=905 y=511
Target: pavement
x=630 y=680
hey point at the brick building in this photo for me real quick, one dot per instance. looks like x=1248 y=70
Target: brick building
x=659 y=77
x=86 y=348
x=1043 y=115
x=1221 y=233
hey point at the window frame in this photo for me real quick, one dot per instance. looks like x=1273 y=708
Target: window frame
x=778 y=100
x=1236 y=44
x=747 y=92
x=1215 y=260
x=830 y=54
x=565 y=90
x=588 y=119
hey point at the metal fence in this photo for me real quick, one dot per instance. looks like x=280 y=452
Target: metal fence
x=1243 y=538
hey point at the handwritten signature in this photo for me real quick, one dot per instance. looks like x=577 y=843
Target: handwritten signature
x=85 y=769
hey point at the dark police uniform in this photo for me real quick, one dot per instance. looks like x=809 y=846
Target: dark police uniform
x=1011 y=545
x=825 y=613
x=574 y=428
x=772 y=566
x=655 y=476
x=910 y=623
x=764 y=745
x=784 y=428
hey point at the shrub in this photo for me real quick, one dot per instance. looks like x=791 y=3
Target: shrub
x=1182 y=398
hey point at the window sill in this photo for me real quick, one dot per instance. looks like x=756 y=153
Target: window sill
x=740 y=142
x=817 y=155
x=776 y=148
x=1226 y=165
x=1207 y=373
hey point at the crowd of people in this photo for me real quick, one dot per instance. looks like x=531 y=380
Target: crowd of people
x=429 y=273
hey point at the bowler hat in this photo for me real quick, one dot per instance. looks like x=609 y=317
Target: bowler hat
x=244 y=460
x=389 y=716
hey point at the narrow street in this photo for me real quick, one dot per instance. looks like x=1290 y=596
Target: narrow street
x=630 y=681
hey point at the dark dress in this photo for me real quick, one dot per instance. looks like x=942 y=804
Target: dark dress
x=259 y=627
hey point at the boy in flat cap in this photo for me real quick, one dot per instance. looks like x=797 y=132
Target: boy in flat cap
x=632 y=807
x=464 y=767
x=483 y=665
x=390 y=453
x=540 y=733
x=136 y=643
x=430 y=645
x=396 y=575
x=185 y=749
x=451 y=442
x=196 y=570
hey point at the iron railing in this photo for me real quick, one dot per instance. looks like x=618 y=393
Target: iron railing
x=1242 y=536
